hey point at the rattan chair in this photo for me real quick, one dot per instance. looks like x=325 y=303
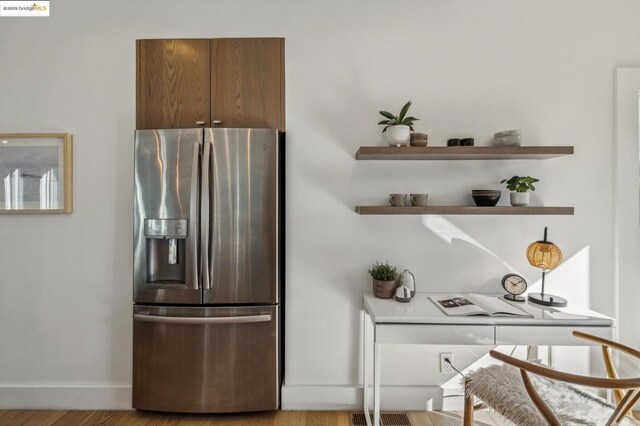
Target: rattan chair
x=529 y=393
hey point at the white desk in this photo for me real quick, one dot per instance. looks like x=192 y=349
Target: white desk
x=421 y=322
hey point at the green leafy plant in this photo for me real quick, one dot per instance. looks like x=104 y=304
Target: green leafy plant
x=383 y=272
x=398 y=120
x=520 y=183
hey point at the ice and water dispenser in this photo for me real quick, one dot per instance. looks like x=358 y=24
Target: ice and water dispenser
x=166 y=240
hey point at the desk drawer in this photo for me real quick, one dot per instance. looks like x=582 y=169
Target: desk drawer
x=547 y=335
x=436 y=334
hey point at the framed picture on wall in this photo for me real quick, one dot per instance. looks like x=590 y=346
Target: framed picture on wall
x=36 y=173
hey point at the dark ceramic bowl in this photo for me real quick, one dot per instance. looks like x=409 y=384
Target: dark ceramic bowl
x=485 y=197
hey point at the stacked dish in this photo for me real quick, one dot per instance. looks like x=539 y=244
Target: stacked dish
x=418 y=139
x=508 y=138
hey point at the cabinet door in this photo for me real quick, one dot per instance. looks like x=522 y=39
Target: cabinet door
x=247 y=82
x=172 y=84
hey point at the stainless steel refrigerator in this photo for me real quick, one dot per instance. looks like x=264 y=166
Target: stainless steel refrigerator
x=206 y=317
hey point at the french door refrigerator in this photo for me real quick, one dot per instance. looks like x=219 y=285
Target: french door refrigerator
x=206 y=275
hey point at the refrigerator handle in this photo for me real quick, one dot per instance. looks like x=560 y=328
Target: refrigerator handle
x=193 y=219
x=204 y=217
x=203 y=320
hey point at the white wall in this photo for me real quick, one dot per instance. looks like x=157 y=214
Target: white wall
x=627 y=243
x=471 y=68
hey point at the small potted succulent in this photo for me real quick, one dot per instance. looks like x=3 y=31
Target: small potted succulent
x=397 y=128
x=384 y=280
x=520 y=187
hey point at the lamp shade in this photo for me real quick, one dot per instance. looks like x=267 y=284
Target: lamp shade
x=544 y=255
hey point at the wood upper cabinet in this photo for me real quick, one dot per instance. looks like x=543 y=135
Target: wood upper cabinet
x=173 y=83
x=247 y=82
x=187 y=83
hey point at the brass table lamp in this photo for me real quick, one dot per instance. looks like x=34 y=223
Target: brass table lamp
x=546 y=256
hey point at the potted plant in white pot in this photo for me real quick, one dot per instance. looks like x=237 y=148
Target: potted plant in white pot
x=520 y=187
x=397 y=127
x=384 y=280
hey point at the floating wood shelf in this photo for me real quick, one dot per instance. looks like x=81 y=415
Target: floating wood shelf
x=462 y=152
x=464 y=210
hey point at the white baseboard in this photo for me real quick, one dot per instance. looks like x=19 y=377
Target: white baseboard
x=65 y=397
x=294 y=397
x=323 y=397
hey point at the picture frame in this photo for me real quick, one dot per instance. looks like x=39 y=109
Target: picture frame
x=36 y=173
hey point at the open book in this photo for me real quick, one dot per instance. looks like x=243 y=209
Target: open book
x=477 y=304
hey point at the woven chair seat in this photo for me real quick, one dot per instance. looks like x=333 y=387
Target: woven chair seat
x=501 y=388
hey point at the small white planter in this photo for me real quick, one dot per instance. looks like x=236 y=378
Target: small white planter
x=519 y=199
x=396 y=135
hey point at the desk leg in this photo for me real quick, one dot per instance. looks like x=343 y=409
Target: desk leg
x=376 y=382
x=366 y=355
x=532 y=353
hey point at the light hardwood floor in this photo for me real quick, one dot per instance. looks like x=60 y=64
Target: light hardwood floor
x=276 y=418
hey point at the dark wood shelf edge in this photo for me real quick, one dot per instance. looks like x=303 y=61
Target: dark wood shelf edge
x=463 y=152
x=463 y=210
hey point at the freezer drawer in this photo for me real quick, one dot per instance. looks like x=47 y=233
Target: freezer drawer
x=206 y=360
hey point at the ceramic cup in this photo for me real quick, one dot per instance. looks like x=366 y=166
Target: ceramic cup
x=397 y=200
x=418 y=200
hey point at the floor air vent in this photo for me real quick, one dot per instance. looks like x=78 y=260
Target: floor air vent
x=386 y=419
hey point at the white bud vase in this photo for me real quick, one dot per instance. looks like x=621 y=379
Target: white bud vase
x=396 y=135
x=519 y=199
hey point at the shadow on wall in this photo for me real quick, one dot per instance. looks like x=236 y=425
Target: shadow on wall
x=448 y=232
x=452 y=234
x=571 y=279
